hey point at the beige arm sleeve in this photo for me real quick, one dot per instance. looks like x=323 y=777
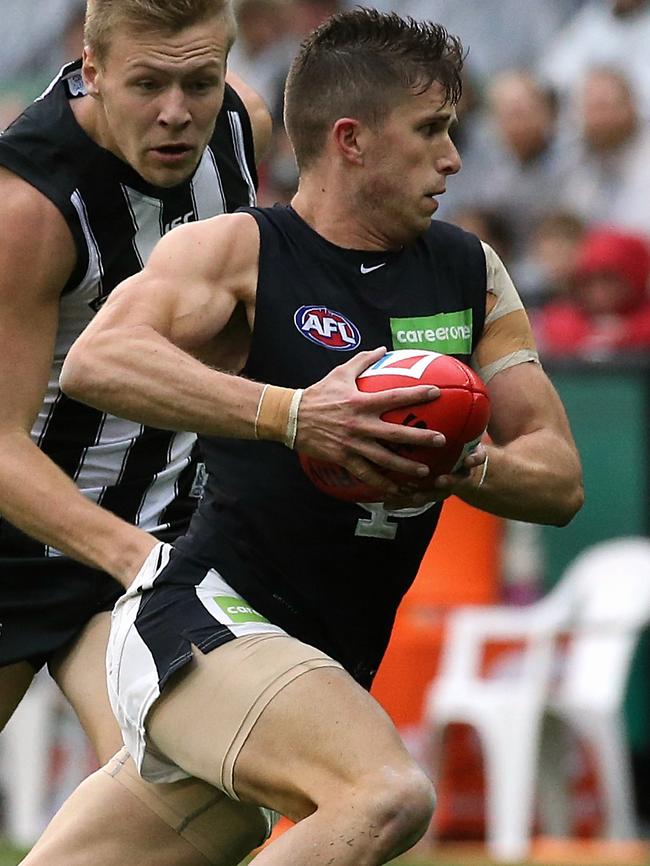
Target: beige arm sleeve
x=507 y=337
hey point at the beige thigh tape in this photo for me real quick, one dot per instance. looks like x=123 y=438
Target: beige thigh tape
x=203 y=815
x=230 y=687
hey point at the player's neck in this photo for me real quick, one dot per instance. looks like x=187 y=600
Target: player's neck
x=331 y=213
x=90 y=116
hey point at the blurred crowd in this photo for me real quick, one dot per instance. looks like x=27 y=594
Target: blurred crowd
x=554 y=134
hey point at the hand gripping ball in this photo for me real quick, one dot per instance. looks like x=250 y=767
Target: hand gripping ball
x=461 y=413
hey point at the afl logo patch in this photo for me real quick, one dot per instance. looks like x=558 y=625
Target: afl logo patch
x=327 y=328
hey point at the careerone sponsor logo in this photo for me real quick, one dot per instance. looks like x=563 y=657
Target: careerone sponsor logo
x=447 y=333
x=238 y=609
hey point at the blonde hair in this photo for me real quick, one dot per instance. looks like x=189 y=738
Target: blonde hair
x=103 y=17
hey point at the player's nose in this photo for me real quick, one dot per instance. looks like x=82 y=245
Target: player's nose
x=449 y=161
x=174 y=110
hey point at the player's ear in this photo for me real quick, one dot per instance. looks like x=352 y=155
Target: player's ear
x=346 y=135
x=90 y=72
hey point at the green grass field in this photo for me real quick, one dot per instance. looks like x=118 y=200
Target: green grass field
x=9 y=856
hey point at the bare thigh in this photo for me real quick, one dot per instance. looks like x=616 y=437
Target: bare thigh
x=319 y=734
x=80 y=672
x=14 y=682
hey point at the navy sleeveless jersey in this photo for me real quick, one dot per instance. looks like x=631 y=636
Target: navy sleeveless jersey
x=144 y=475
x=330 y=573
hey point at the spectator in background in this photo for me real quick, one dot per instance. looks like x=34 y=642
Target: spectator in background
x=527 y=163
x=263 y=49
x=279 y=174
x=269 y=34
x=491 y=226
x=553 y=251
x=609 y=176
x=607 y=309
x=522 y=166
x=306 y=15
x=603 y=32
x=500 y=34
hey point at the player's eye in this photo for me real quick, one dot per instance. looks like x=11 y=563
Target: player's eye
x=202 y=85
x=147 y=85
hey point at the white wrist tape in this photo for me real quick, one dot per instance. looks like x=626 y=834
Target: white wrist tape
x=292 y=420
x=259 y=410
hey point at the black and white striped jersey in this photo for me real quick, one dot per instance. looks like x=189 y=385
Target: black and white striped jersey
x=142 y=474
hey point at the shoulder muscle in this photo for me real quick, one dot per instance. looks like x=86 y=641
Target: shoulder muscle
x=37 y=252
x=507 y=338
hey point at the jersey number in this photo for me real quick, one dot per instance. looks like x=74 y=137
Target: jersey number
x=378 y=525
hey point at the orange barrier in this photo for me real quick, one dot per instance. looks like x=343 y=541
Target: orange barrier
x=461 y=566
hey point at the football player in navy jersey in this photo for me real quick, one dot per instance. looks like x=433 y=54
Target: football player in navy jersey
x=242 y=653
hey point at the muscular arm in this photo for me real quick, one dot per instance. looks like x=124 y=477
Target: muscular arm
x=533 y=471
x=157 y=353
x=36 y=258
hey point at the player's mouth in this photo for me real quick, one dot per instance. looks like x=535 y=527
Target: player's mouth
x=170 y=154
x=432 y=197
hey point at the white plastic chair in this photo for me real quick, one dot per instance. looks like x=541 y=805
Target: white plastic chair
x=603 y=600
x=611 y=595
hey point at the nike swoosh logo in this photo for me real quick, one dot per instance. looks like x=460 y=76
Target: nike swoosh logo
x=365 y=270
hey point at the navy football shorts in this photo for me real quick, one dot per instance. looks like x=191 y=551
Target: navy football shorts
x=45 y=604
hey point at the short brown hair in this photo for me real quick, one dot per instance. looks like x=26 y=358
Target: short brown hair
x=165 y=16
x=360 y=63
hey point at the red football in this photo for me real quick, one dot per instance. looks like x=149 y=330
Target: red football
x=461 y=413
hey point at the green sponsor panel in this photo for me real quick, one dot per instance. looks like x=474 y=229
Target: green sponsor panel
x=447 y=333
x=238 y=609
